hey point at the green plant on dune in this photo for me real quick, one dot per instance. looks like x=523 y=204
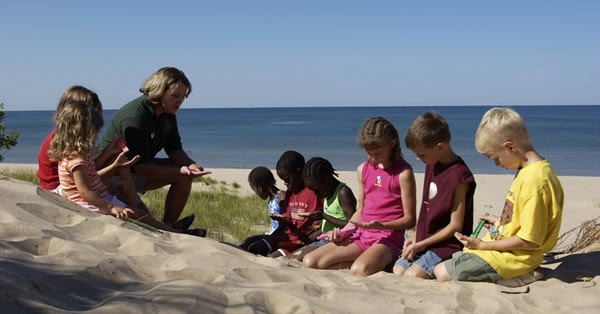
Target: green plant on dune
x=6 y=141
x=226 y=216
x=23 y=174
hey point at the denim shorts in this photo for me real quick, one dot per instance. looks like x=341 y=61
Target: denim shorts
x=319 y=243
x=426 y=261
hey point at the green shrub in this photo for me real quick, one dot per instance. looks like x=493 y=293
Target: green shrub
x=6 y=141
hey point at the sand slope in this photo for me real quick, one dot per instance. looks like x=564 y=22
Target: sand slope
x=55 y=256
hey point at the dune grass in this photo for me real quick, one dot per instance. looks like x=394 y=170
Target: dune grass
x=226 y=215
x=24 y=174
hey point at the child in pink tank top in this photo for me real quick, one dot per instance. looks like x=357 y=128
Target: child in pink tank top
x=386 y=207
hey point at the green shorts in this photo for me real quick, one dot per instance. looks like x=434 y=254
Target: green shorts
x=470 y=267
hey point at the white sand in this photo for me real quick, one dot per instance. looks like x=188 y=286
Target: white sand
x=57 y=257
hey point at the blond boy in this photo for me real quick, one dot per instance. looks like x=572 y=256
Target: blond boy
x=531 y=216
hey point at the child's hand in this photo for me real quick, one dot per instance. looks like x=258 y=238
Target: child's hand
x=407 y=242
x=409 y=251
x=336 y=236
x=121 y=212
x=490 y=220
x=280 y=218
x=373 y=224
x=316 y=215
x=468 y=242
x=123 y=162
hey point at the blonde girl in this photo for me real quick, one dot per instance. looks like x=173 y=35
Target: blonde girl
x=72 y=147
x=385 y=208
x=48 y=170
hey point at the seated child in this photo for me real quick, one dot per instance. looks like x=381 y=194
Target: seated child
x=76 y=131
x=532 y=212
x=262 y=182
x=339 y=202
x=48 y=170
x=294 y=230
x=447 y=203
x=386 y=207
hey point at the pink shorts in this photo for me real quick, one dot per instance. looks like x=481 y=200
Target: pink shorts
x=109 y=198
x=393 y=239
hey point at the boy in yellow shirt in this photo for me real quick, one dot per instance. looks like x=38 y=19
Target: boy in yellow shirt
x=531 y=216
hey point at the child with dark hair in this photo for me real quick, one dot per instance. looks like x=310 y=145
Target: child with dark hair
x=339 y=202
x=262 y=182
x=294 y=230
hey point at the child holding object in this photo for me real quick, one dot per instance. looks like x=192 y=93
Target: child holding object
x=510 y=253
x=262 y=182
x=76 y=131
x=294 y=230
x=386 y=207
x=339 y=203
x=447 y=205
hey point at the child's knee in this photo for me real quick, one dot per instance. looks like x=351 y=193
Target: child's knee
x=360 y=269
x=310 y=261
x=259 y=248
x=440 y=272
x=398 y=270
x=417 y=272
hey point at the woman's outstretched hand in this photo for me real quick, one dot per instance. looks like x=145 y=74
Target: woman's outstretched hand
x=193 y=171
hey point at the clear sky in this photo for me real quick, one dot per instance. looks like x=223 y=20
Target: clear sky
x=305 y=53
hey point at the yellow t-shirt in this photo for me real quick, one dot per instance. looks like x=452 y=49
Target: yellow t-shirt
x=532 y=211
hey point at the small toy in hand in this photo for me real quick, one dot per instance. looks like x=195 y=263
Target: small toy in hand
x=479 y=226
x=121 y=143
x=343 y=232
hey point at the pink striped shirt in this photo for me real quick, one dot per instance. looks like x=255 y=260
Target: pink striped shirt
x=67 y=181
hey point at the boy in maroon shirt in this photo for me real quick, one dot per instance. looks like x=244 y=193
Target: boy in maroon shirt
x=447 y=205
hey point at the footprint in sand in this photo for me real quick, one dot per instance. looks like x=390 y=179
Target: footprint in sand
x=276 y=302
x=52 y=214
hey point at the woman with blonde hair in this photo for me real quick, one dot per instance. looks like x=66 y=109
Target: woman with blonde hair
x=148 y=125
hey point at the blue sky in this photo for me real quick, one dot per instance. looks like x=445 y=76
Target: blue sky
x=305 y=53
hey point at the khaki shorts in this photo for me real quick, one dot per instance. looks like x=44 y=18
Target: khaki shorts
x=470 y=267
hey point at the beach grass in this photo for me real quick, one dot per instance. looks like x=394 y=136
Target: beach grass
x=23 y=174
x=226 y=215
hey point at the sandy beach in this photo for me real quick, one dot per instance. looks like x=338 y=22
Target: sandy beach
x=57 y=257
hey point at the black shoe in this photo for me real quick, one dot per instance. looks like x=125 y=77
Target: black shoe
x=184 y=222
x=199 y=232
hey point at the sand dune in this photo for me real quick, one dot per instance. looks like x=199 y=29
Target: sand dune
x=55 y=256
